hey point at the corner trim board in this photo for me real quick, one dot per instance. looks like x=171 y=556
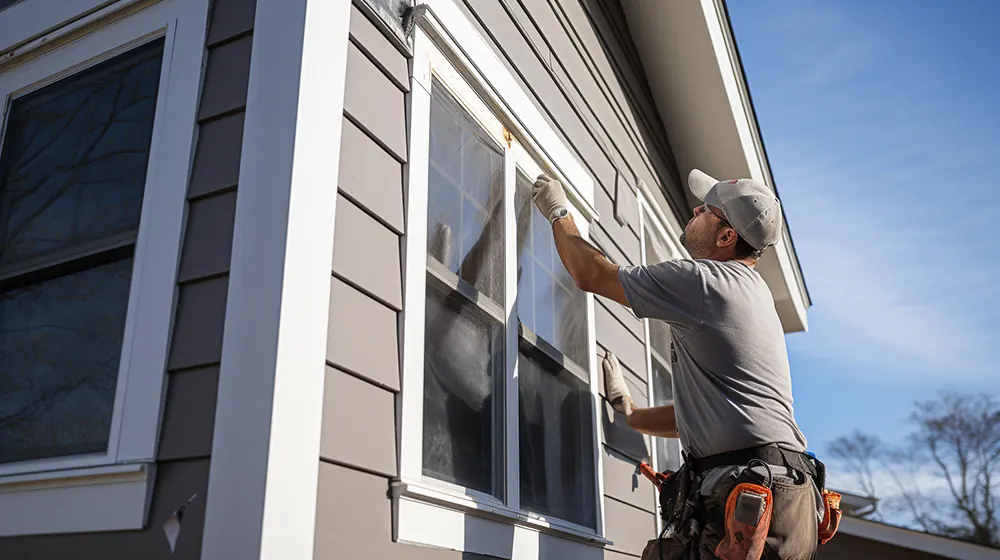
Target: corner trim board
x=264 y=471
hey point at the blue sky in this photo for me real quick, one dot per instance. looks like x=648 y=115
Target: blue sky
x=881 y=121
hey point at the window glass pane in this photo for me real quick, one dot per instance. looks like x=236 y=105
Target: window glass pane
x=556 y=444
x=548 y=301
x=60 y=345
x=465 y=197
x=668 y=454
x=73 y=165
x=657 y=251
x=463 y=388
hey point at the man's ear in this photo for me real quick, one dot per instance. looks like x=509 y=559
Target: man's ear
x=727 y=237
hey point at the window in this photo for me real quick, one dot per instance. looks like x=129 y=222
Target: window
x=72 y=176
x=499 y=407
x=656 y=248
x=96 y=140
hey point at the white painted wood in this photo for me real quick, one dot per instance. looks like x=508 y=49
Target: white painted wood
x=411 y=406
x=512 y=385
x=33 y=19
x=182 y=23
x=78 y=501
x=265 y=453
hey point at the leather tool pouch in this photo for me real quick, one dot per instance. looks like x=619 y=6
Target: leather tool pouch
x=831 y=516
x=748 y=518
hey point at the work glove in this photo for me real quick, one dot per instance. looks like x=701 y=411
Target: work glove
x=550 y=197
x=615 y=386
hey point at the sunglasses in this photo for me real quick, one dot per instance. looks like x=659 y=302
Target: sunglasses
x=718 y=213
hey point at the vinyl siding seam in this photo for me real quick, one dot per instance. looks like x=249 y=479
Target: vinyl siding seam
x=619 y=321
x=219 y=116
x=211 y=194
x=357 y=468
x=371 y=213
x=633 y=506
x=395 y=41
x=366 y=291
x=374 y=137
x=231 y=39
x=357 y=42
x=360 y=376
x=206 y=278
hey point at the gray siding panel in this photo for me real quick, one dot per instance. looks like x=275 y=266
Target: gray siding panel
x=175 y=483
x=370 y=176
x=366 y=254
x=200 y=320
x=628 y=527
x=189 y=415
x=217 y=157
x=208 y=244
x=375 y=103
x=226 y=79
x=623 y=482
x=370 y=40
x=348 y=401
x=230 y=18
x=363 y=336
x=613 y=336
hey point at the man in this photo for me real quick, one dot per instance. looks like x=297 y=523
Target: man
x=733 y=397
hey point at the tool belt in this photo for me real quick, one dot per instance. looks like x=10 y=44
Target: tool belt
x=748 y=508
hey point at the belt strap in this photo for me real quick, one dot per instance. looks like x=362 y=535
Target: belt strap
x=770 y=454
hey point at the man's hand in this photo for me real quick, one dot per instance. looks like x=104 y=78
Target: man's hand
x=549 y=197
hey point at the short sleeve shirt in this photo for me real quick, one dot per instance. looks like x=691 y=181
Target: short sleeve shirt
x=732 y=383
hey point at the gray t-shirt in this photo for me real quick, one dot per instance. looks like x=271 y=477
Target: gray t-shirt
x=732 y=384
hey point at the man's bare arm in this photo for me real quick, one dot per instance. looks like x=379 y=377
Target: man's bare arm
x=590 y=269
x=656 y=421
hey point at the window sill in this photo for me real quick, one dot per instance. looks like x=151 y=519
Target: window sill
x=430 y=516
x=108 y=498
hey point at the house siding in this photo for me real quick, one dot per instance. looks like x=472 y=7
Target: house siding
x=574 y=59
x=859 y=548
x=185 y=444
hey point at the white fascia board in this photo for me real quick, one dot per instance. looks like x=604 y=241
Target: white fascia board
x=750 y=140
x=915 y=540
x=265 y=453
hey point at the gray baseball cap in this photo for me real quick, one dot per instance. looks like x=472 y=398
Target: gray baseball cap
x=749 y=206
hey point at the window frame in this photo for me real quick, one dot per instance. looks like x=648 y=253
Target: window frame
x=650 y=219
x=429 y=511
x=70 y=38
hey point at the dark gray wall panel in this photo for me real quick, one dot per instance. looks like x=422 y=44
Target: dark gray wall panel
x=366 y=253
x=372 y=100
x=175 y=483
x=363 y=337
x=623 y=482
x=217 y=157
x=354 y=520
x=625 y=317
x=359 y=424
x=226 y=79
x=370 y=40
x=623 y=237
x=630 y=528
x=613 y=336
x=199 y=322
x=189 y=414
x=370 y=176
x=230 y=18
x=208 y=244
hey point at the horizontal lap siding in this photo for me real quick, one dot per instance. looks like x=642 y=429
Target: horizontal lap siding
x=568 y=56
x=195 y=354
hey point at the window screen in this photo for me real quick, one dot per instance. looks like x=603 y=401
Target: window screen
x=464 y=330
x=72 y=177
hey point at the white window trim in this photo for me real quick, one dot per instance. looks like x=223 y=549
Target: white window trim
x=127 y=465
x=431 y=512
